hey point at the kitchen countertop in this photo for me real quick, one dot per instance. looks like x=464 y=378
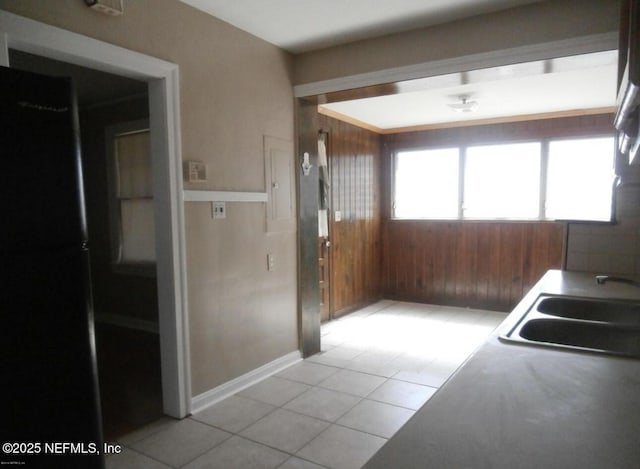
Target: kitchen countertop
x=520 y=406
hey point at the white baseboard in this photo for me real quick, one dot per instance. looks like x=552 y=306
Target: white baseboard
x=215 y=395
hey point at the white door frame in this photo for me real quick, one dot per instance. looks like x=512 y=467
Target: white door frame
x=17 y=32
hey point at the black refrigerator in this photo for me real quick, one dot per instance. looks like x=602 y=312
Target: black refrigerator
x=50 y=410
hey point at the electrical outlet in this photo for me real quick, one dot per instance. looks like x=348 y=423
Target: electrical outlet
x=271 y=262
x=219 y=210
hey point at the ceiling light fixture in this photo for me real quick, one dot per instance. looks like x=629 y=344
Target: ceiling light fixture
x=464 y=105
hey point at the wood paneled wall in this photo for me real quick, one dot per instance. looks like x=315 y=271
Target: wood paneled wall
x=479 y=264
x=488 y=265
x=466 y=263
x=354 y=256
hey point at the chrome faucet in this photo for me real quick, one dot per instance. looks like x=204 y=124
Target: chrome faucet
x=602 y=279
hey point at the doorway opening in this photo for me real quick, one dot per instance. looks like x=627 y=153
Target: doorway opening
x=161 y=79
x=411 y=258
x=125 y=299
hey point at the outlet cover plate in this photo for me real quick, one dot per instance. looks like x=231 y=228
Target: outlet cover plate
x=219 y=210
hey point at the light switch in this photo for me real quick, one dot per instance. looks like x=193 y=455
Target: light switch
x=271 y=262
x=219 y=210
x=337 y=215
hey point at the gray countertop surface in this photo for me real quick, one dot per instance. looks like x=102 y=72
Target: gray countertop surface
x=520 y=406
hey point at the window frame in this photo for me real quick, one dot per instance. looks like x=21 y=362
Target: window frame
x=142 y=268
x=544 y=163
x=464 y=174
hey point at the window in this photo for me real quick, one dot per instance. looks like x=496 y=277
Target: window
x=132 y=217
x=569 y=179
x=427 y=184
x=579 y=179
x=502 y=181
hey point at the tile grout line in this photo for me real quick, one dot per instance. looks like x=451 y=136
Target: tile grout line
x=321 y=386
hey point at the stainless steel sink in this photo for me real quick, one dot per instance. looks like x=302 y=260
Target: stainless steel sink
x=611 y=311
x=608 y=326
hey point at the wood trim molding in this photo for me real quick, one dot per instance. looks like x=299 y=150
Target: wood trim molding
x=502 y=120
x=466 y=123
x=349 y=120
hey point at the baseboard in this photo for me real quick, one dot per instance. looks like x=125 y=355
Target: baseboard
x=208 y=398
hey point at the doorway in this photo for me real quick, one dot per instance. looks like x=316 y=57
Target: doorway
x=162 y=79
x=350 y=186
x=384 y=83
x=125 y=299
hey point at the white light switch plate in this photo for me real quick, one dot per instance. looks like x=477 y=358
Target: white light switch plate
x=219 y=210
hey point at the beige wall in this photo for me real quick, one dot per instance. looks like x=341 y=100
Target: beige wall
x=234 y=89
x=531 y=24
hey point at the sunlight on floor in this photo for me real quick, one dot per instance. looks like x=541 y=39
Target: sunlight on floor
x=377 y=367
x=391 y=337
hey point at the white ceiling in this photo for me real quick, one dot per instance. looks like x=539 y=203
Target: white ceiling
x=575 y=85
x=303 y=25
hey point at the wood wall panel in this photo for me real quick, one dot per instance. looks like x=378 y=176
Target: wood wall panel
x=466 y=263
x=308 y=271
x=472 y=263
x=354 y=169
x=462 y=263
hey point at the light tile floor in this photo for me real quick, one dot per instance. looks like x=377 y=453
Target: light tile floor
x=334 y=410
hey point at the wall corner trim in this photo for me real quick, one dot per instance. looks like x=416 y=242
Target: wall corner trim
x=215 y=395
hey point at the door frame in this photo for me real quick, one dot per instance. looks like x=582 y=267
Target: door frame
x=23 y=34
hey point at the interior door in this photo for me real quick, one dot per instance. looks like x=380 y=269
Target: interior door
x=47 y=350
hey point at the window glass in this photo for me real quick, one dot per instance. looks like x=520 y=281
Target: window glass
x=502 y=181
x=138 y=238
x=133 y=160
x=132 y=213
x=579 y=179
x=505 y=181
x=426 y=183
